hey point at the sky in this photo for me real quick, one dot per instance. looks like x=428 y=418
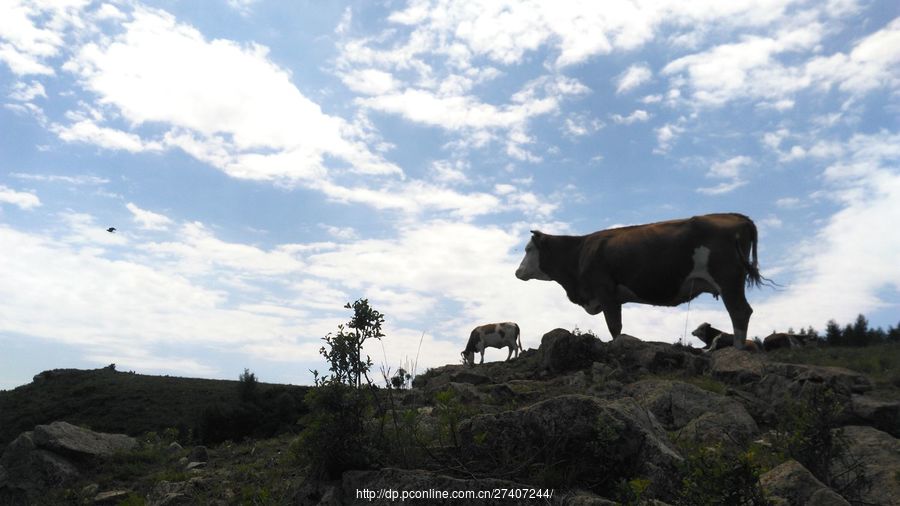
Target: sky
x=265 y=163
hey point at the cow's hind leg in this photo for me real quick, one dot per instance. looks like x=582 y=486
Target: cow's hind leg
x=509 y=355
x=739 y=310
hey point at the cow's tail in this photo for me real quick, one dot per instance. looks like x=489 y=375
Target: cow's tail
x=518 y=336
x=751 y=264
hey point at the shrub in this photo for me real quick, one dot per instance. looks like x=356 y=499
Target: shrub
x=710 y=475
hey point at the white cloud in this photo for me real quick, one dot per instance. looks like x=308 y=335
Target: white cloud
x=149 y=220
x=638 y=116
x=667 y=134
x=55 y=178
x=633 y=77
x=110 y=138
x=23 y=200
x=853 y=257
x=730 y=170
x=225 y=103
x=26 y=92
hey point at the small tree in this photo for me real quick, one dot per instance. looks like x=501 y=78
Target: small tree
x=248 y=386
x=344 y=349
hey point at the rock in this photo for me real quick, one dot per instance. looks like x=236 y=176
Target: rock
x=4 y=478
x=612 y=440
x=880 y=453
x=794 y=485
x=357 y=483
x=68 y=439
x=883 y=415
x=199 y=454
x=111 y=497
x=90 y=490
x=167 y=493
x=174 y=448
x=736 y=367
x=700 y=416
x=29 y=468
x=562 y=351
x=464 y=392
x=631 y=354
x=195 y=465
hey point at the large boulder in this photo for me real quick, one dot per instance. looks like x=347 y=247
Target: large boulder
x=631 y=354
x=590 y=441
x=879 y=453
x=791 y=484
x=881 y=414
x=68 y=439
x=562 y=351
x=698 y=416
x=30 y=468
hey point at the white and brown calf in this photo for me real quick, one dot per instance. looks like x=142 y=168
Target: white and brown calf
x=492 y=335
x=714 y=339
x=777 y=340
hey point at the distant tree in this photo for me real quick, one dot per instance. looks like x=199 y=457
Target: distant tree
x=893 y=333
x=248 y=386
x=859 y=334
x=812 y=333
x=833 y=334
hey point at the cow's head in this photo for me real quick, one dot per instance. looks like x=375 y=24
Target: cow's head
x=530 y=268
x=468 y=358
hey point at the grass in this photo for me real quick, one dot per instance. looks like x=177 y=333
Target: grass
x=881 y=361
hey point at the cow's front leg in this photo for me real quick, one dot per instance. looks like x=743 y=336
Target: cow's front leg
x=613 y=314
x=482 y=357
x=509 y=355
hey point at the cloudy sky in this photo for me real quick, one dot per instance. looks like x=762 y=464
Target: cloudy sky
x=267 y=162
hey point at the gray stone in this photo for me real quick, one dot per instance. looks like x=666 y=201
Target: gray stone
x=195 y=465
x=199 y=454
x=791 y=483
x=613 y=439
x=111 y=497
x=562 y=351
x=167 y=493
x=174 y=448
x=880 y=453
x=69 y=439
x=883 y=415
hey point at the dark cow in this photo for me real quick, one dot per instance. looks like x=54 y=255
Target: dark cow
x=492 y=335
x=663 y=264
x=777 y=340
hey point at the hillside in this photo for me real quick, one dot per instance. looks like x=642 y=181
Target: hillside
x=120 y=402
x=577 y=421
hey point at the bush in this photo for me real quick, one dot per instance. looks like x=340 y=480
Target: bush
x=710 y=475
x=334 y=438
x=810 y=433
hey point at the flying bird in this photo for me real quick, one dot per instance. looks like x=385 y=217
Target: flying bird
x=111 y=230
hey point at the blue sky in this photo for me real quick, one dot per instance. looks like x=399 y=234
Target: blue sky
x=266 y=162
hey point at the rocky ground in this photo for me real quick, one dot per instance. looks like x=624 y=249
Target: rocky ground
x=594 y=421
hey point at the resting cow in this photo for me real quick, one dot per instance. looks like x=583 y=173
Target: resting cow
x=662 y=264
x=492 y=335
x=777 y=340
x=712 y=338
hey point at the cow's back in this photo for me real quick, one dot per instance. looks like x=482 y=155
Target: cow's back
x=653 y=260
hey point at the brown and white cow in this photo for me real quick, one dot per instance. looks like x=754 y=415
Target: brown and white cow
x=713 y=338
x=778 y=340
x=662 y=264
x=492 y=335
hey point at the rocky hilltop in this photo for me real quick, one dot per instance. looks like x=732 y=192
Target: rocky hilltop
x=619 y=422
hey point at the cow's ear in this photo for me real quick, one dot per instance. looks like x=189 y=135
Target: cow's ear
x=537 y=237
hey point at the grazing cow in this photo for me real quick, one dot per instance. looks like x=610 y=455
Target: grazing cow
x=712 y=338
x=492 y=335
x=663 y=264
x=777 y=340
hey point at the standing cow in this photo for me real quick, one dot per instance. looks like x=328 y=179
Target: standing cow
x=492 y=335
x=662 y=264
